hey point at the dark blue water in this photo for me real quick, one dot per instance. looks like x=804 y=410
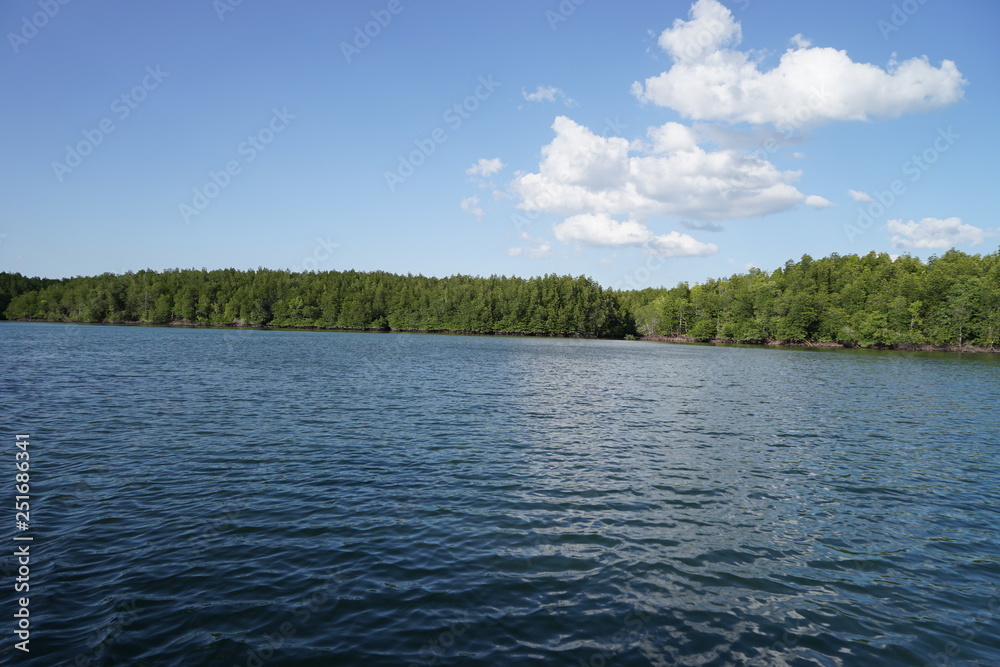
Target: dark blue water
x=220 y=497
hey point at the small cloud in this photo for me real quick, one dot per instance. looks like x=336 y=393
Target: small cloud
x=608 y=261
x=818 y=202
x=486 y=167
x=471 y=205
x=541 y=94
x=934 y=233
x=800 y=42
x=798 y=156
x=702 y=226
x=676 y=244
x=858 y=195
x=548 y=94
x=543 y=250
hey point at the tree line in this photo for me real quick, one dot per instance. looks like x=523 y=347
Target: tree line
x=951 y=300
x=551 y=304
x=865 y=300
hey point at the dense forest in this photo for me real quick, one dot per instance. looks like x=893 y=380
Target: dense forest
x=552 y=304
x=12 y=284
x=951 y=300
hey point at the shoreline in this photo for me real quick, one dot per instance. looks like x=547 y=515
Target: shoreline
x=655 y=338
x=770 y=342
x=182 y=324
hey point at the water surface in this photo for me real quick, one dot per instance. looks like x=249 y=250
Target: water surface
x=227 y=497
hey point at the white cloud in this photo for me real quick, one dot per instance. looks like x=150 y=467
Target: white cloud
x=676 y=244
x=810 y=85
x=603 y=230
x=858 y=195
x=486 y=167
x=800 y=42
x=548 y=94
x=543 y=250
x=541 y=94
x=710 y=29
x=471 y=205
x=672 y=137
x=582 y=172
x=936 y=233
x=818 y=202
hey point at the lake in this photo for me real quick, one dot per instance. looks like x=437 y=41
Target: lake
x=247 y=497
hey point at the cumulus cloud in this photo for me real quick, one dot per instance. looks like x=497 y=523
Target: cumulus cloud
x=708 y=80
x=548 y=94
x=671 y=174
x=486 y=167
x=934 y=233
x=818 y=202
x=471 y=205
x=858 y=195
x=602 y=230
x=711 y=29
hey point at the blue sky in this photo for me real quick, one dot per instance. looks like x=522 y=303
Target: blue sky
x=640 y=143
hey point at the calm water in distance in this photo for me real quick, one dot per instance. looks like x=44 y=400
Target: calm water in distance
x=229 y=497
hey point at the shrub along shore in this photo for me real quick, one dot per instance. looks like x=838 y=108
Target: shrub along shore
x=951 y=302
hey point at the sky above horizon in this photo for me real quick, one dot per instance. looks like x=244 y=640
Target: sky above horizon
x=640 y=143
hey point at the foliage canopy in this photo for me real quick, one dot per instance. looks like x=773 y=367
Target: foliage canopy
x=873 y=299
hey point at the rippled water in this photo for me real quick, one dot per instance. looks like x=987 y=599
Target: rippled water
x=221 y=497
